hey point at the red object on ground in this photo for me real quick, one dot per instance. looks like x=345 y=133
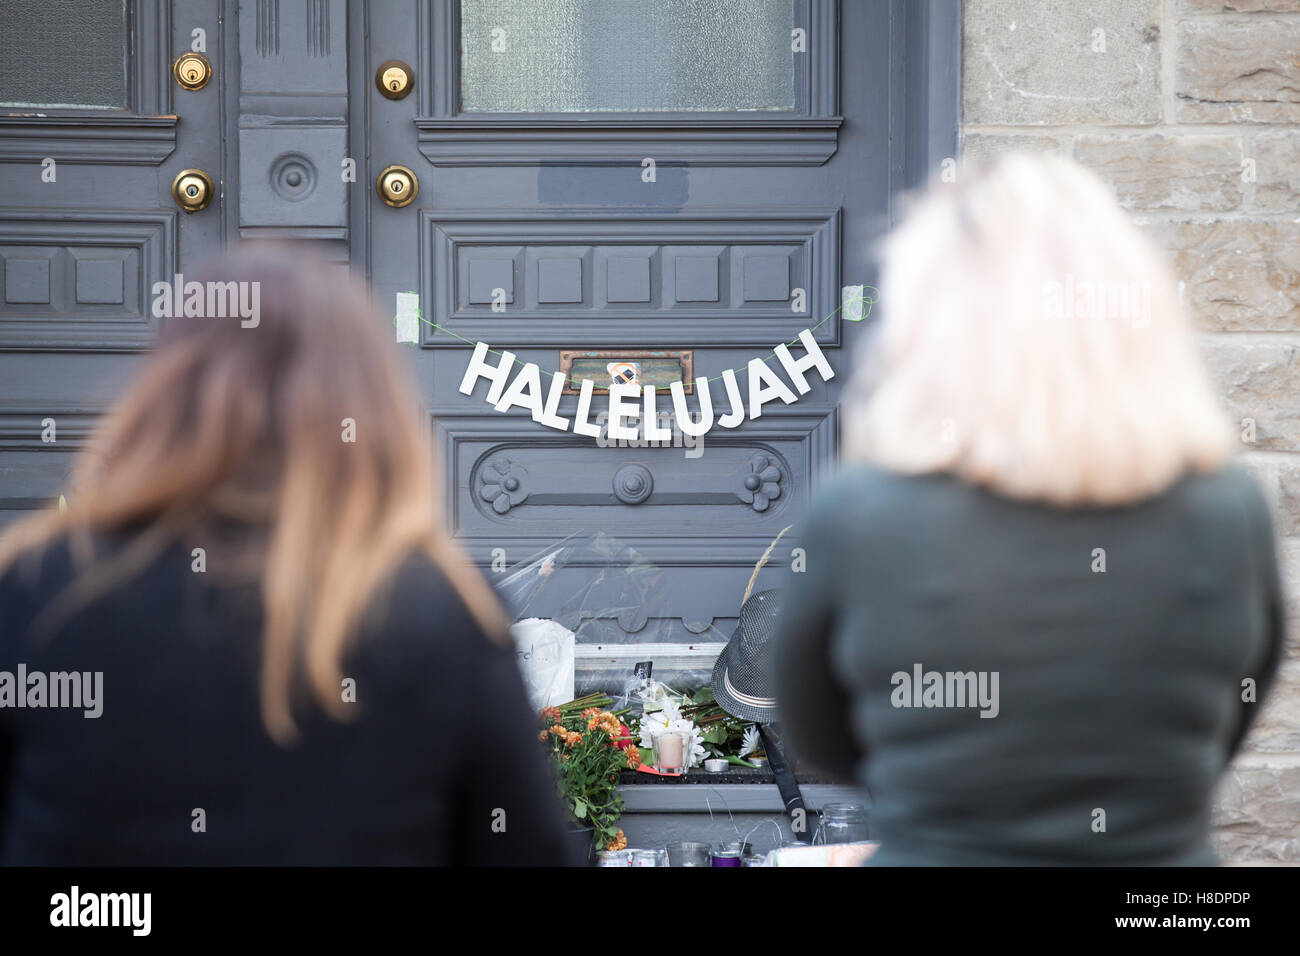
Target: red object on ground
x=645 y=768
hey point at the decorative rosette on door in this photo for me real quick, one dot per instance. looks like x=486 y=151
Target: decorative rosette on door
x=503 y=484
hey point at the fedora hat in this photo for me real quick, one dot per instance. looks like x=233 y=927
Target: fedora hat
x=742 y=675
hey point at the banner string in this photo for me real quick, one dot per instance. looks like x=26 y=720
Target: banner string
x=867 y=301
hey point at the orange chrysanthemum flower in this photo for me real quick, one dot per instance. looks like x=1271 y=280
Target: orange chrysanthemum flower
x=550 y=715
x=619 y=842
x=633 y=755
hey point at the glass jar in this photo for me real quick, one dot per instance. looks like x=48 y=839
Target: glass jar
x=672 y=751
x=730 y=854
x=843 y=823
x=656 y=857
x=689 y=854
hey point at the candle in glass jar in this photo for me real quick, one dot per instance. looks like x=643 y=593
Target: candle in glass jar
x=671 y=747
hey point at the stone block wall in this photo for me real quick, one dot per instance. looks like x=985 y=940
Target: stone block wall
x=1190 y=110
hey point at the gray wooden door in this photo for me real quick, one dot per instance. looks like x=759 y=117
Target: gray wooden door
x=93 y=131
x=531 y=131
x=694 y=181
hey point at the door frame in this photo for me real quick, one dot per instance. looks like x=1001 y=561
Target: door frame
x=931 y=75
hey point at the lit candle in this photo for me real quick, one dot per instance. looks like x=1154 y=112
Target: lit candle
x=671 y=747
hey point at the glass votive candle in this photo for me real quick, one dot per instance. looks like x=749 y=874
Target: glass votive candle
x=844 y=823
x=671 y=751
x=689 y=854
x=729 y=854
x=647 y=857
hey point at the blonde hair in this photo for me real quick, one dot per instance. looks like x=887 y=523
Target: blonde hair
x=242 y=428
x=1032 y=341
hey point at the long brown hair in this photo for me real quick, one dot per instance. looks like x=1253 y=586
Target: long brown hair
x=301 y=425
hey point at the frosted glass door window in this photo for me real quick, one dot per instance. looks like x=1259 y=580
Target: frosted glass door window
x=63 y=53
x=569 y=56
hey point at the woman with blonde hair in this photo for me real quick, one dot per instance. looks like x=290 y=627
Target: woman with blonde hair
x=290 y=661
x=1040 y=609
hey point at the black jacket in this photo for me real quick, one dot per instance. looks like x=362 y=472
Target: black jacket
x=440 y=765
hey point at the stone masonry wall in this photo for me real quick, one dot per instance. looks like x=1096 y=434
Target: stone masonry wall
x=1190 y=109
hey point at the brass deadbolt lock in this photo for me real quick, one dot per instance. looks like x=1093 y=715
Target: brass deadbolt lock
x=192 y=71
x=397 y=186
x=394 y=79
x=192 y=189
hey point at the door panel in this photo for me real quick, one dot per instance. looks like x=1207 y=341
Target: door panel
x=698 y=512
x=292 y=121
x=572 y=275
x=89 y=149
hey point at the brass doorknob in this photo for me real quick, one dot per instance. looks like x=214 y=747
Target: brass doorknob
x=397 y=186
x=192 y=71
x=192 y=189
x=394 y=79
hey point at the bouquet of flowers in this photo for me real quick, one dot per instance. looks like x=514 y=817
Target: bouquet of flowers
x=668 y=716
x=725 y=736
x=589 y=746
x=711 y=730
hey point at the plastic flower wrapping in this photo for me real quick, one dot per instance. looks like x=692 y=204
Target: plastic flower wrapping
x=619 y=608
x=588 y=609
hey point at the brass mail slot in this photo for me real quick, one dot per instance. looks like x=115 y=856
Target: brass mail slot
x=629 y=366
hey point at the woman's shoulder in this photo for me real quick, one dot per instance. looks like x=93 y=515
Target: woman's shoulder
x=871 y=487
x=421 y=607
x=38 y=568
x=857 y=482
x=33 y=577
x=418 y=625
x=858 y=493
x=862 y=498
x=1232 y=482
x=1234 y=495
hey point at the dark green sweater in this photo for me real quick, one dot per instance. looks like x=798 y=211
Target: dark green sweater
x=1119 y=691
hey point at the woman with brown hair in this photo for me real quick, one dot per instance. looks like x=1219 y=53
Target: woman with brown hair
x=294 y=663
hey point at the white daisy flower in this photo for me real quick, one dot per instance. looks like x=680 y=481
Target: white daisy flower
x=670 y=718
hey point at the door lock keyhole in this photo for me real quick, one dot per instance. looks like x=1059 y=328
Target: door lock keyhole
x=397 y=186
x=193 y=189
x=192 y=71
x=394 y=79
